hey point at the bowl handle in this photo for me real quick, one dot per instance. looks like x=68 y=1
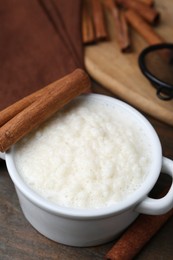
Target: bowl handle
x=159 y=206
x=2 y=156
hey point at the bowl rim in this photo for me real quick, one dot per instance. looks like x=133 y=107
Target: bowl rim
x=130 y=202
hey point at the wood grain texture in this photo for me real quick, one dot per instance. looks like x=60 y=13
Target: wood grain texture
x=120 y=73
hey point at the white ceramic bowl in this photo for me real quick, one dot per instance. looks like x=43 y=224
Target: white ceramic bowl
x=82 y=228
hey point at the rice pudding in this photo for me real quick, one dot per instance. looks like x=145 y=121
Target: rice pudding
x=88 y=155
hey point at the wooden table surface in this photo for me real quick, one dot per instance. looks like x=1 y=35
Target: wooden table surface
x=20 y=241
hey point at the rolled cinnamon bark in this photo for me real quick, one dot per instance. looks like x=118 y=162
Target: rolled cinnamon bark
x=121 y=26
x=151 y=15
x=88 y=33
x=53 y=99
x=125 y=38
x=138 y=234
x=98 y=19
x=11 y=111
x=142 y=27
x=148 y=2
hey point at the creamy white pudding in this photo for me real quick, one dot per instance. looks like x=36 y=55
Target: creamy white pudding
x=88 y=155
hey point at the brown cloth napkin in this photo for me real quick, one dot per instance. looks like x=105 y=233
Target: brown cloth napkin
x=40 y=42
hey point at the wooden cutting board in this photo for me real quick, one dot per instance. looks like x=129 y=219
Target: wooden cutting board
x=120 y=72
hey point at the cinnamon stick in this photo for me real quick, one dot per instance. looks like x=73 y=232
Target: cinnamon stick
x=148 y=2
x=12 y=110
x=53 y=99
x=151 y=15
x=143 y=28
x=98 y=19
x=121 y=26
x=125 y=39
x=138 y=234
x=88 y=34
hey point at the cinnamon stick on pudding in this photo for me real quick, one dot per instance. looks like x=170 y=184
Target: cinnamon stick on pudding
x=121 y=26
x=142 y=27
x=54 y=98
x=12 y=110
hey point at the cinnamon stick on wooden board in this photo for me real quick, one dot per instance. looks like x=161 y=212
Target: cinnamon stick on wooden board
x=150 y=14
x=121 y=26
x=88 y=33
x=147 y=2
x=142 y=27
x=98 y=19
x=52 y=99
